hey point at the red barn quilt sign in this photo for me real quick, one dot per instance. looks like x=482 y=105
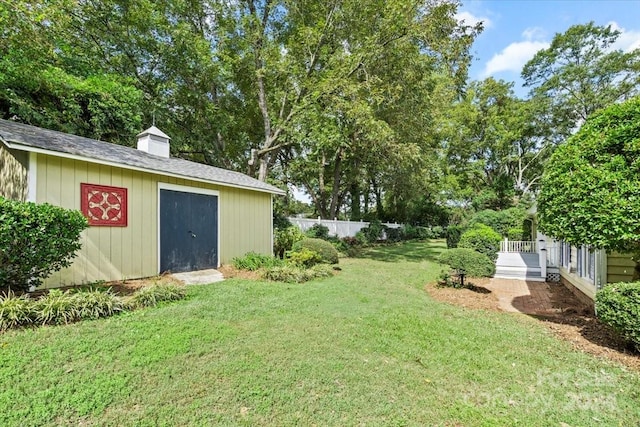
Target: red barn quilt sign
x=104 y=205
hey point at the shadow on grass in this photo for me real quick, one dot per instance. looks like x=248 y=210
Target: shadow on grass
x=405 y=251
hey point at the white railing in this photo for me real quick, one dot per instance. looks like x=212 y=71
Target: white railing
x=518 y=246
x=553 y=254
x=336 y=227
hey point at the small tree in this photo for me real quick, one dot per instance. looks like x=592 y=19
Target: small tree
x=591 y=187
x=35 y=241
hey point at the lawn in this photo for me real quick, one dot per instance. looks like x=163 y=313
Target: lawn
x=366 y=347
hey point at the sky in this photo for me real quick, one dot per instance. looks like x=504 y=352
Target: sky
x=514 y=30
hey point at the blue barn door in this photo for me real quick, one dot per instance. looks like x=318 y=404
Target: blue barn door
x=188 y=231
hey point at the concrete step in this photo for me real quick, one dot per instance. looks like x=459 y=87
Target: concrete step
x=512 y=259
x=521 y=273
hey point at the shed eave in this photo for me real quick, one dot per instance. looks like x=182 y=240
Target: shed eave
x=31 y=149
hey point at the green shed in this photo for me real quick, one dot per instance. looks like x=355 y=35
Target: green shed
x=148 y=213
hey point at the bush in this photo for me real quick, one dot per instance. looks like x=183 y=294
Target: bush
x=473 y=263
x=516 y=234
x=373 y=232
x=482 y=239
x=155 y=294
x=35 y=241
x=293 y=274
x=304 y=258
x=328 y=253
x=15 y=311
x=318 y=231
x=452 y=234
x=96 y=303
x=618 y=305
x=394 y=234
x=253 y=261
x=56 y=307
x=284 y=238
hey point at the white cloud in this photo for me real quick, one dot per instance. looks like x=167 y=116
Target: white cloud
x=514 y=56
x=628 y=40
x=470 y=19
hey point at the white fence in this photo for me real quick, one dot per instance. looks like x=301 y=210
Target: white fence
x=336 y=228
x=518 y=246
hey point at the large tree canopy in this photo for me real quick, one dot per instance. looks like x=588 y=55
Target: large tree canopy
x=591 y=188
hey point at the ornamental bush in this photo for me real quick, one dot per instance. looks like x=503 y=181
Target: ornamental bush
x=328 y=253
x=618 y=305
x=318 y=231
x=35 y=241
x=253 y=261
x=452 y=234
x=473 y=263
x=483 y=239
x=284 y=238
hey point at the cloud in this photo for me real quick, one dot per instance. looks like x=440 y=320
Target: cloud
x=514 y=56
x=628 y=40
x=471 y=19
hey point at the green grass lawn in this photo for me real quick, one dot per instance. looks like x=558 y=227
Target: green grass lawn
x=367 y=347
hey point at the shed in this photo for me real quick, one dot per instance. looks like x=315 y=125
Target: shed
x=148 y=213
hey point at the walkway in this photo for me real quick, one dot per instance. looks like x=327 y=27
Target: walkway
x=535 y=298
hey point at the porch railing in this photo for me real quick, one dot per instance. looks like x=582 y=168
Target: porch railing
x=518 y=246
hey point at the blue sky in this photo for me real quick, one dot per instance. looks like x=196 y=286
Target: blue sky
x=514 y=30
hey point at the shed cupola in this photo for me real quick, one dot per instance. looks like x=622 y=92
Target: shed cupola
x=154 y=141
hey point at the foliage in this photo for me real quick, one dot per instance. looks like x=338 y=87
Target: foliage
x=501 y=221
x=96 y=303
x=15 y=310
x=453 y=234
x=36 y=240
x=482 y=239
x=284 y=239
x=590 y=190
x=295 y=274
x=327 y=252
x=253 y=261
x=304 y=258
x=472 y=262
x=373 y=232
x=56 y=307
x=517 y=234
x=618 y=305
x=318 y=231
x=580 y=73
x=153 y=295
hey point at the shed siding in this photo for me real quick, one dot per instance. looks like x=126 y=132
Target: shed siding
x=13 y=174
x=117 y=253
x=619 y=268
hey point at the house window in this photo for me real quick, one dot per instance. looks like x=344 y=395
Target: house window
x=565 y=254
x=586 y=263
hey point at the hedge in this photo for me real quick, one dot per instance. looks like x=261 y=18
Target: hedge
x=618 y=305
x=473 y=263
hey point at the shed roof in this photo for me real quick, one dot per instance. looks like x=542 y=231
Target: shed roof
x=23 y=137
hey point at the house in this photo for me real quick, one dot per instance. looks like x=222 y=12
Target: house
x=581 y=269
x=148 y=213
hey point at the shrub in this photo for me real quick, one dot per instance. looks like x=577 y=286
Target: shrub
x=473 y=263
x=253 y=261
x=305 y=257
x=483 y=239
x=96 y=303
x=15 y=310
x=373 y=232
x=394 y=234
x=56 y=307
x=328 y=253
x=155 y=294
x=36 y=240
x=437 y=232
x=452 y=234
x=516 y=234
x=318 y=231
x=294 y=274
x=618 y=305
x=284 y=238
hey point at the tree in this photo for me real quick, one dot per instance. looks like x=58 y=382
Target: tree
x=590 y=189
x=580 y=73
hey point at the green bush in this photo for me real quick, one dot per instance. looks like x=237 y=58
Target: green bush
x=294 y=274
x=482 y=239
x=284 y=238
x=56 y=307
x=35 y=241
x=452 y=234
x=155 y=294
x=618 y=305
x=473 y=263
x=516 y=234
x=318 y=231
x=373 y=232
x=305 y=257
x=96 y=303
x=253 y=261
x=328 y=253
x=15 y=310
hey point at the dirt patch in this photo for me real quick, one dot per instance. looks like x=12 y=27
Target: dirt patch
x=566 y=317
x=229 y=271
